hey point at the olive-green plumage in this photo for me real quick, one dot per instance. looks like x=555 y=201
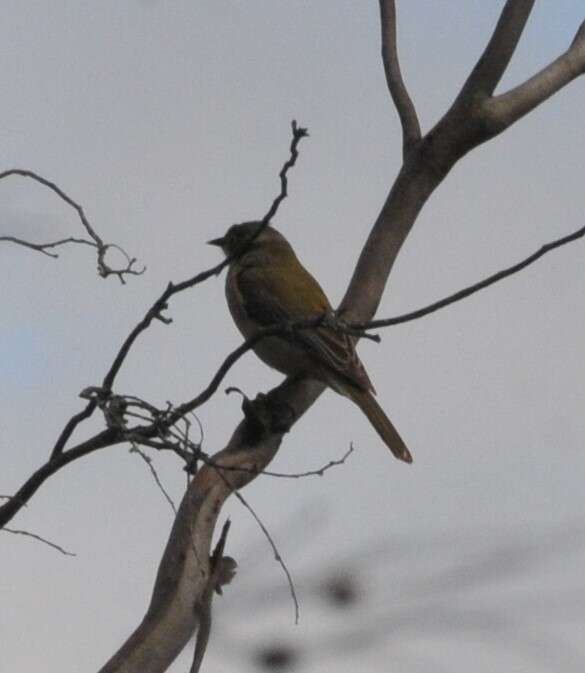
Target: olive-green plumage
x=267 y=285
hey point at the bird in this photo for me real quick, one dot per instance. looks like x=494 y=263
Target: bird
x=266 y=285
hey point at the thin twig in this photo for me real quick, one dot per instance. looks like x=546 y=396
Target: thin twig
x=277 y=555
x=319 y=472
x=298 y=134
x=186 y=449
x=45 y=247
x=60 y=193
x=70 y=427
x=96 y=242
x=476 y=287
x=26 y=533
x=148 y=461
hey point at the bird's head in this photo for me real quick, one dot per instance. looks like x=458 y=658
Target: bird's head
x=245 y=236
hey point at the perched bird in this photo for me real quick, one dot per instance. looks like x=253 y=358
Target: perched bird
x=267 y=285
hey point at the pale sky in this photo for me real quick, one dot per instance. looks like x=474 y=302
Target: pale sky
x=169 y=121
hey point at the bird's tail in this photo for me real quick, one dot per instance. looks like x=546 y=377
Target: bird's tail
x=382 y=424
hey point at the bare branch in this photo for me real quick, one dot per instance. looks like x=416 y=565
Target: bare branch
x=26 y=533
x=462 y=128
x=503 y=110
x=171 y=437
x=45 y=247
x=476 y=287
x=96 y=241
x=298 y=133
x=60 y=193
x=319 y=472
x=278 y=558
x=492 y=64
x=404 y=105
x=412 y=187
x=70 y=427
x=184 y=570
x=108 y=437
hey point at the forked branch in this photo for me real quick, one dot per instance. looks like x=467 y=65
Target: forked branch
x=492 y=64
x=503 y=110
x=94 y=240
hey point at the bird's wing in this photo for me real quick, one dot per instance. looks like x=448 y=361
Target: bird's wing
x=273 y=295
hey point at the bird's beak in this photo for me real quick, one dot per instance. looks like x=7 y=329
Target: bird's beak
x=219 y=242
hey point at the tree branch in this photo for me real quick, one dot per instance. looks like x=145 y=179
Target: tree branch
x=492 y=64
x=148 y=461
x=70 y=427
x=108 y=437
x=472 y=289
x=184 y=572
x=26 y=533
x=298 y=133
x=96 y=241
x=404 y=105
x=45 y=247
x=503 y=110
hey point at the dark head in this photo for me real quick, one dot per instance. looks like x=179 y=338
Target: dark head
x=240 y=237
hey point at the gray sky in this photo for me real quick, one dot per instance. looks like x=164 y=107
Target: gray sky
x=169 y=121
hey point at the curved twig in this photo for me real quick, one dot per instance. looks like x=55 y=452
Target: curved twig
x=278 y=558
x=404 y=106
x=96 y=241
